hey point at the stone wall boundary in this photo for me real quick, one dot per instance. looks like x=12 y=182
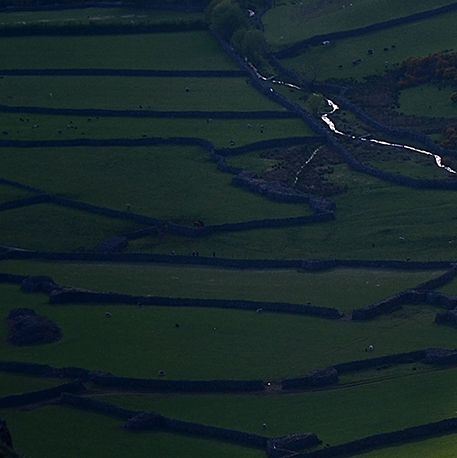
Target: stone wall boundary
x=31 y=397
x=71 y=295
x=151 y=421
x=185 y=386
x=296 y=48
x=376 y=441
x=25 y=202
x=120 y=72
x=134 y=113
x=94 y=405
x=302 y=264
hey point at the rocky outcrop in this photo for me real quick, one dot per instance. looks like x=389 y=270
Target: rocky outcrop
x=35 y=283
x=28 y=328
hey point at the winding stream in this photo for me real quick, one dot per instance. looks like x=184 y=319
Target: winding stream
x=331 y=125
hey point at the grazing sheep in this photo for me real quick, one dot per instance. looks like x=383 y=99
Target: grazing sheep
x=161 y=373
x=108 y=314
x=370 y=348
x=259 y=310
x=264 y=425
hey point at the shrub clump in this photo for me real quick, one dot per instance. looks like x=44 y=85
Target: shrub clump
x=28 y=328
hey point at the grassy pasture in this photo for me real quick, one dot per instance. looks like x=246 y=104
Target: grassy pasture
x=370 y=219
x=54 y=431
x=49 y=227
x=11 y=383
x=130 y=93
x=416 y=39
x=437 y=447
x=136 y=341
x=167 y=182
x=292 y=21
x=94 y=15
x=140 y=341
x=161 y=51
x=336 y=415
x=8 y=193
x=350 y=288
x=407 y=163
x=428 y=100
x=219 y=131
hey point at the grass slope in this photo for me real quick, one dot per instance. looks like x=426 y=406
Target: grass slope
x=292 y=21
x=177 y=51
x=362 y=286
x=416 y=39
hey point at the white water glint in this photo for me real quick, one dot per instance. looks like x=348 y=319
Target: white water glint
x=305 y=164
x=331 y=125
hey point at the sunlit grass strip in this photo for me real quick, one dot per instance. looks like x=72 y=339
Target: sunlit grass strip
x=159 y=181
x=415 y=39
x=220 y=131
x=159 y=51
x=135 y=93
x=283 y=24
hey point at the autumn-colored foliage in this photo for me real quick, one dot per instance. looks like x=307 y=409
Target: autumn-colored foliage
x=450 y=137
x=438 y=67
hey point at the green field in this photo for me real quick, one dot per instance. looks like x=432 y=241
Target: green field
x=8 y=193
x=370 y=219
x=155 y=181
x=244 y=345
x=163 y=94
x=363 y=286
x=93 y=15
x=178 y=51
x=74 y=433
x=373 y=220
x=292 y=21
x=47 y=227
x=415 y=39
x=337 y=415
x=428 y=100
x=219 y=131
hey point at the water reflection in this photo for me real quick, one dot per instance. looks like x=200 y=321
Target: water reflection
x=331 y=125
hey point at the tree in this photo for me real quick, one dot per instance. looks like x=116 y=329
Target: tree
x=254 y=46
x=226 y=17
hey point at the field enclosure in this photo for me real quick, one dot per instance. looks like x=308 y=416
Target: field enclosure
x=230 y=276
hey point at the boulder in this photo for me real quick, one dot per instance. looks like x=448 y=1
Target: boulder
x=449 y=317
